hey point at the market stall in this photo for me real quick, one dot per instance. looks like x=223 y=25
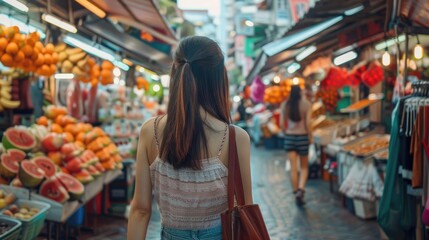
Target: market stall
x=72 y=100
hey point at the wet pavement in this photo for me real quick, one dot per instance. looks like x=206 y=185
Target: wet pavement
x=323 y=217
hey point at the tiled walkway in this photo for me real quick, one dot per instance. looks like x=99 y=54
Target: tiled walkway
x=323 y=217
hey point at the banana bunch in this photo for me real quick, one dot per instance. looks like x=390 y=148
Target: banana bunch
x=9 y=95
x=72 y=60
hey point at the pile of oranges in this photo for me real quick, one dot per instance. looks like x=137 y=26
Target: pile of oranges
x=26 y=52
x=278 y=93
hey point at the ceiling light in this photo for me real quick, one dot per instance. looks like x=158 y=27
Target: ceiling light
x=122 y=82
x=59 y=22
x=128 y=62
x=121 y=65
x=88 y=48
x=249 y=23
x=155 y=77
x=353 y=10
x=116 y=80
x=385 y=59
x=140 y=69
x=295 y=81
x=345 y=58
x=93 y=8
x=293 y=68
x=307 y=52
x=388 y=43
x=276 y=79
x=64 y=76
x=116 y=72
x=156 y=88
x=23 y=27
x=236 y=99
x=17 y=4
x=418 y=50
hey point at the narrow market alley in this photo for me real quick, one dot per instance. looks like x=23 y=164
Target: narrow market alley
x=323 y=217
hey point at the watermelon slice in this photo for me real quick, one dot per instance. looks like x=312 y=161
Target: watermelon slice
x=30 y=174
x=16 y=154
x=53 y=189
x=93 y=171
x=72 y=185
x=8 y=166
x=46 y=165
x=83 y=176
x=19 y=138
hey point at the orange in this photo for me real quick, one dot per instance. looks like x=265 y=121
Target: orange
x=94 y=82
x=80 y=137
x=39 y=60
x=55 y=58
x=71 y=128
x=2 y=31
x=12 y=48
x=10 y=31
x=48 y=58
x=42 y=121
x=39 y=46
x=35 y=36
x=87 y=127
x=91 y=62
x=7 y=60
x=49 y=48
x=99 y=132
x=56 y=128
x=53 y=69
x=68 y=137
x=59 y=119
x=19 y=57
x=27 y=50
x=44 y=70
x=3 y=43
x=80 y=127
x=79 y=144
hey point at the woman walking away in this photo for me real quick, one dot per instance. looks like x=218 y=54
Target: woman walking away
x=296 y=114
x=182 y=156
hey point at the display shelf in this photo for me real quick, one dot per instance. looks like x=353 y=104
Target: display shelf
x=362 y=104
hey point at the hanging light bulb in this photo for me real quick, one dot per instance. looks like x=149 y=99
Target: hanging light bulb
x=385 y=60
x=418 y=50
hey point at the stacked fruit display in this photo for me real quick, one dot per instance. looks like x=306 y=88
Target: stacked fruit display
x=26 y=52
x=57 y=155
x=278 y=93
x=329 y=97
x=84 y=67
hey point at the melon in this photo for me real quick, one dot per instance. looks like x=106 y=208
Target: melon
x=18 y=138
x=30 y=174
x=52 y=142
x=74 y=187
x=83 y=176
x=8 y=166
x=93 y=171
x=100 y=167
x=16 y=154
x=74 y=165
x=54 y=190
x=46 y=165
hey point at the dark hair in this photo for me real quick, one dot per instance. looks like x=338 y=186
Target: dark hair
x=198 y=79
x=292 y=105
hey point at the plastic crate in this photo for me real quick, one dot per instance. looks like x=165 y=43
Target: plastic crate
x=13 y=233
x=77 y=218
x=32 y=228
x=121 y=192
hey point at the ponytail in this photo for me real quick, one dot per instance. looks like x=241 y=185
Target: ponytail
x=181 y=144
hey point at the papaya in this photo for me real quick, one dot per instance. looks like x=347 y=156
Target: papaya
x=72 y=51
x=77 y=57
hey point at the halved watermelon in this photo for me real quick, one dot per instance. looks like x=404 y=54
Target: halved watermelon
x=8 y=166
x=83 y=176
x=16 y=154
x=46 y=165
x=18 y=138
x=72 y=185
x=30 y=174
x=53 y=189
x=93 y=171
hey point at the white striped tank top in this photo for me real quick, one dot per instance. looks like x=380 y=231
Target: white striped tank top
x=190 y=199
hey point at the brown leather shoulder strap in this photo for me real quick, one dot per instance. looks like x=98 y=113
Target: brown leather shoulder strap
x=235 y=183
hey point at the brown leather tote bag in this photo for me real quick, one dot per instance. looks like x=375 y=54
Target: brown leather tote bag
x=240 y=221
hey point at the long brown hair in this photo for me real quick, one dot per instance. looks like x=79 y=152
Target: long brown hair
x=198 y=79
x=292 y=105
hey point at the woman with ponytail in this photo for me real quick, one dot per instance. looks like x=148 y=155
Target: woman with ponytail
x=296 y=114
x=182 y=156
